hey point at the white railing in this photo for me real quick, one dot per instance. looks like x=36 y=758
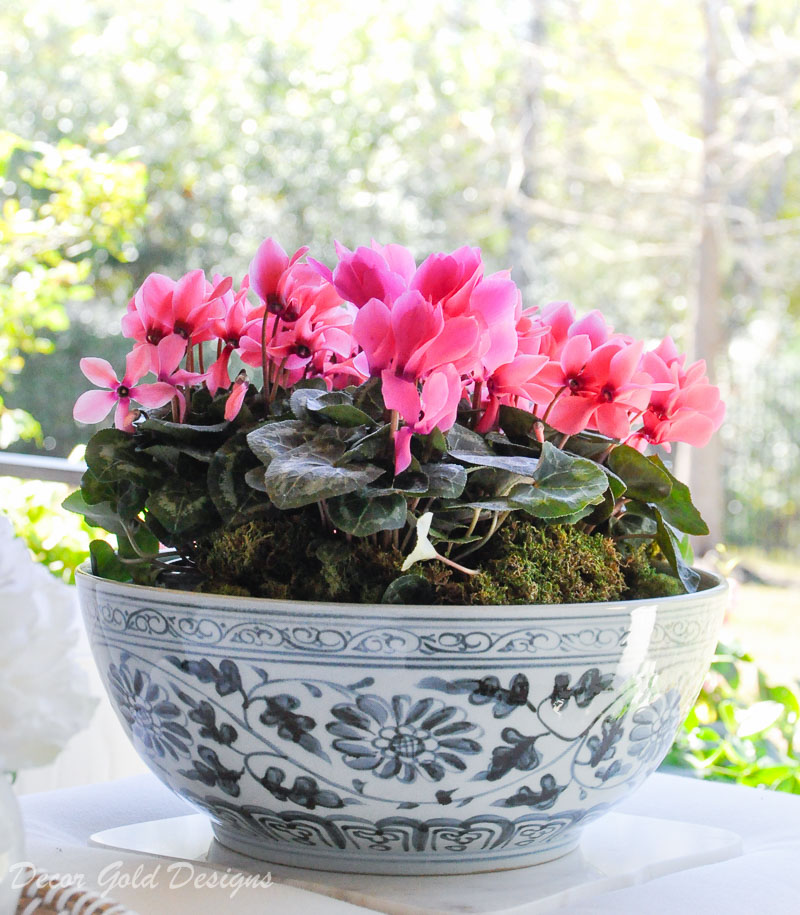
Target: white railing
x=35 y=467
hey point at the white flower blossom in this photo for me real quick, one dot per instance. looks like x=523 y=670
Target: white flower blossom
x=424 y=548
x=44 y=692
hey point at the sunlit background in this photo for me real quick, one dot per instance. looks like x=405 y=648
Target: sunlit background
x=640 y=158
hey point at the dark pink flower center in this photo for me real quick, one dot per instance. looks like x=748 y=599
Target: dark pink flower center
x=122 y=391
x=301 y=350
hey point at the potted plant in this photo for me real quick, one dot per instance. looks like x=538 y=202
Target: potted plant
x=405 y=593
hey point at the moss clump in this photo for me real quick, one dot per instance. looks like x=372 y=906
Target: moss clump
x=285 y=556
x=525 y=563
x=643 y=578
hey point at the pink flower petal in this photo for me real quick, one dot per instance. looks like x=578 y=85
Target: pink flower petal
x=170 y=352
x=401 y=395
x=99 y=372
x=93 y=406
x=234 y=402
x=153 y=395
x=266 y=268
x=137 y=364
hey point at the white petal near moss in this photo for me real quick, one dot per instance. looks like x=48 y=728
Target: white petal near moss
x=424 y=548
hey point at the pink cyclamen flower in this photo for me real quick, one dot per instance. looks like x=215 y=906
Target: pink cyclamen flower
x=371 y=273
x=431 y=405
x=448 y=279
x=511 y=383
x=414 y=338
x=683 y=407
x=267 y=270
x=229 y=331
x=94 y=406
x=162 y=306
x=165 y=360
x=599 y=387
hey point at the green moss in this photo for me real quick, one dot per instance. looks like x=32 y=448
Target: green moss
x=643 y=578
x=285 y=556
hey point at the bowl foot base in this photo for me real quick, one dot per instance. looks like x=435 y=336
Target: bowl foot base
x=403 y=864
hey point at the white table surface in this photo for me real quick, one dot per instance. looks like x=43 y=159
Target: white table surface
x=766 y=878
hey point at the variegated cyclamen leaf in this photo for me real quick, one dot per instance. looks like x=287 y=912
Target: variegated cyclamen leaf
x=309 y=474
x=182 y=508
x=360 y=516
x=522 y=466
x=460 y=438
x=274 y=439
x=445 y=480
x=562 y=486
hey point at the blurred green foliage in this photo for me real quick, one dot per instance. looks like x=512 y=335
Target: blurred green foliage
x=58 y=539
x=742 y=729
x=63 y=210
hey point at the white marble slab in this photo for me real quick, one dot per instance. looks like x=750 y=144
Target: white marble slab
x=617 y=851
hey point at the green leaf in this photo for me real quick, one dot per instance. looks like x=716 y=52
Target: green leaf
x=368 y=446
x=521 y=466
x=309 y=473
x=361 y=516
x=111 y=456
x=563 y=485
x=409 y=589
x=234 y=499
x=183 y=508
x=146 y=541
x=645 y=480
x=255 y=478
x=516 y=423
x=184 y=432
x=445 y=481
x=106 y=563
x=369 y=398
x=669 y=545
x=677 y=508
x=278 y=438
x=98 y=514
x=459 y=438
x=605 y=509
x=171 y=454
x=337 y=406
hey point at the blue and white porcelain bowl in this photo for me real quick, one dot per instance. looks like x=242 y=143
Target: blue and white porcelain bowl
x=397 y=739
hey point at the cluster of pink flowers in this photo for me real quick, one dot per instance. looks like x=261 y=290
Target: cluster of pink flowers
x=435 y=334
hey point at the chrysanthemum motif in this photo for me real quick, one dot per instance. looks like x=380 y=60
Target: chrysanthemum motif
x=400 y=739
x=155 y=722
x=654 y=727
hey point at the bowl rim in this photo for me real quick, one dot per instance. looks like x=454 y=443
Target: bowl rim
x=716 y=586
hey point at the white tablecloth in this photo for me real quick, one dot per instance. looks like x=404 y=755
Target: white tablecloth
x=766 y=878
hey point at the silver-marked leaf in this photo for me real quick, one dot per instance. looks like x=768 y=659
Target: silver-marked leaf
x=274 y=439
x=181 y=507
x=234 y=498
x=459 y=438
x=337 y=406
x=309 y=473
x=445 y=481
x=368 y=446
x=255 y=478
x=522 y=466
x=562 y=486
x=362 y=516
x=183 y=432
